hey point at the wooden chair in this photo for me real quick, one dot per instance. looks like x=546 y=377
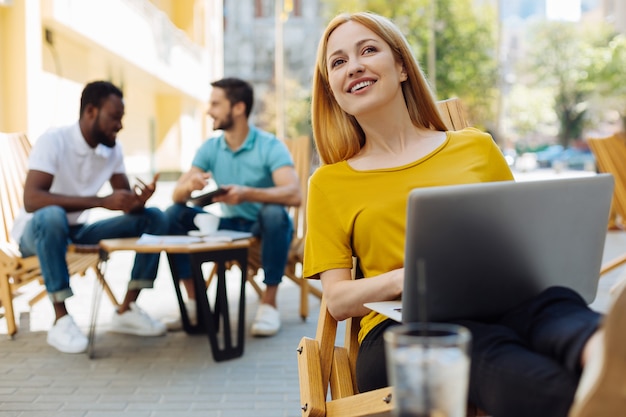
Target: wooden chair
x=327 y=372
x=610 y=154
x=453 y=114
x=301 y=151
x=322 y=365
x=17 y=271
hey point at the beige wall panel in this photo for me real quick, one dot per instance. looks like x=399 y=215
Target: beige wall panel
x=12 y=60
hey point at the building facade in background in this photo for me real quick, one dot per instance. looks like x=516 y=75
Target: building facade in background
x=250 y=41
x=615 y=12
x=162 y=53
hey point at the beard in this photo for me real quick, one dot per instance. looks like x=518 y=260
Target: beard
x=225 y=124
x=100 y=136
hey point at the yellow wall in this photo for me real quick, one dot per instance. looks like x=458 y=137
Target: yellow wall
x=3 y=78
x=65 y=71
x=13 y=59
x=187 y=15
x=167 y=131
x=41 y=83
x=183 y=17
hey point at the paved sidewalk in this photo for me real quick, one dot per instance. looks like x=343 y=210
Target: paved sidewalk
x=173 y=375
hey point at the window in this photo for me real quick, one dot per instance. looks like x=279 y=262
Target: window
x=263 y=8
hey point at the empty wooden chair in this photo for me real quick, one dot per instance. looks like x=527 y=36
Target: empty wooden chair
x=327 y=374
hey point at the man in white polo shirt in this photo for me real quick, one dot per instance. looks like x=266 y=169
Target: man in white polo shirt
x=67 y=168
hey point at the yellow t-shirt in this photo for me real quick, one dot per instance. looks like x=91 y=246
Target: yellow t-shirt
x=363 y=213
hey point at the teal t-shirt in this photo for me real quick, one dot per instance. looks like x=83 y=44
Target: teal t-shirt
x=251 y=165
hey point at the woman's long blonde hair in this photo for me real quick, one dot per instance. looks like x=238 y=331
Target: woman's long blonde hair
x=337 y=134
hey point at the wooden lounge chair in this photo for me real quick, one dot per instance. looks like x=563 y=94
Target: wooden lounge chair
x=301 y=151
x=327 y=371
x=610 y=154
x=327 y=374
x=17 y=271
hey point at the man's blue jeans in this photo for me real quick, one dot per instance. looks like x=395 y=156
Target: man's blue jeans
x=273 y=226
x=48 y=234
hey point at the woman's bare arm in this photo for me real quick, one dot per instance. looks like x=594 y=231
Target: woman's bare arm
x=345 y=297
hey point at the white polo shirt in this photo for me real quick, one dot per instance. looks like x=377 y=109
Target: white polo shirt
x=78 y=169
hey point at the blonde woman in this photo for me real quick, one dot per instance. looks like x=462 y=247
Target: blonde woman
x=379 y=135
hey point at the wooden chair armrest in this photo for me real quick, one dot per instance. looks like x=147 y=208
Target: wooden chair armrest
x=312 y=396
x=377 y=403
x=77 y=248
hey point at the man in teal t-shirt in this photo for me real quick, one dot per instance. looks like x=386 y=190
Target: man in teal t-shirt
x=257 y=172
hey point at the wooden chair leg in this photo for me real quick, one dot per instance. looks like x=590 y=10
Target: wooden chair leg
x=304 y=299
x=6 y=299
x=611 y=265
x=37 y=298
x=254 y=284
x=211 y=275
x=105 y=286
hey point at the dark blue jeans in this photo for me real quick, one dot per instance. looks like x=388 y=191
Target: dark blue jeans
x=523 y=364
x=273 y=226
x=48 y=234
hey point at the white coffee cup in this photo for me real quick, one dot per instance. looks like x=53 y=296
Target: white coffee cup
x=207 y=223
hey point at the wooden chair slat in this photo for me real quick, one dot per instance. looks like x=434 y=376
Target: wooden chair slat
x=341 y=378
x=610 y=155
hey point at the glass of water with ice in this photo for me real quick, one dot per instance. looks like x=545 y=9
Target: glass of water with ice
x=428 y=366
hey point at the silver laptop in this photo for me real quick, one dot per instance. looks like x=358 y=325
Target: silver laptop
x=484 y=248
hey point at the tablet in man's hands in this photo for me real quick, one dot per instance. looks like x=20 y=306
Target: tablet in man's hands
x=206 y=198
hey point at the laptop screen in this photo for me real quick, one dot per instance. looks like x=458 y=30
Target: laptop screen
x=487 y=247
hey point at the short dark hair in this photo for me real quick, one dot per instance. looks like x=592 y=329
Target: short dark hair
x=237 y=90
x=96 y=92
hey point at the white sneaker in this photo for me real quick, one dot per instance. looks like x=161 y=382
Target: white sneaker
x=174 y=325
x=136 y=321
x=266 y=321
x=66 y=337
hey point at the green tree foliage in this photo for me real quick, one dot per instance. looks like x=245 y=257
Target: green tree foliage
x=297 y=110
x=610 y=62
x=561 y=57
x=465 y=45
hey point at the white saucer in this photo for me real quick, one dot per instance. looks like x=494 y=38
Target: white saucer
x=197 y=233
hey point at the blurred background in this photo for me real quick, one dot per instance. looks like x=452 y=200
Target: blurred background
x=541 y=76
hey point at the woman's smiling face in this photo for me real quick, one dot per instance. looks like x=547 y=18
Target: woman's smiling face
x=362 y=70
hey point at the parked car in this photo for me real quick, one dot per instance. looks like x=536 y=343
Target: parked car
x=555 y=156
x=546 y=156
